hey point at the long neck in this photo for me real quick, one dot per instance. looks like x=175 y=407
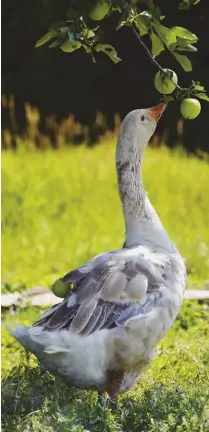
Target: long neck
x=131 y=190
x=141 y=221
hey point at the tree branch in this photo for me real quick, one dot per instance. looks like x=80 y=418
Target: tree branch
x=146 y=49
x=144 y=46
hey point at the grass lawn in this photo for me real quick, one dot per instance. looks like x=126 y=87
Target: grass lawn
x=62 y=208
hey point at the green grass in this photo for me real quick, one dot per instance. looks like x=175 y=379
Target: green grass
x=60 y=209
x=173 y=395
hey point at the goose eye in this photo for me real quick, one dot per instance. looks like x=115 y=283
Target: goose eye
x=142 y=118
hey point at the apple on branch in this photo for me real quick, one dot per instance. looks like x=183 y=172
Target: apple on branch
x=190 y=108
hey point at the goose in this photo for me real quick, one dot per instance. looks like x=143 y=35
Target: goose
x=120 y=304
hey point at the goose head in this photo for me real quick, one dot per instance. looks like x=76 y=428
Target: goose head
x=136 y=130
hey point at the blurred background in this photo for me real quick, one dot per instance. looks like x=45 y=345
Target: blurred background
x=51 y=98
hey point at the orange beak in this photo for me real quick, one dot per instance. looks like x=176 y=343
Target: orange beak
x=156 y=112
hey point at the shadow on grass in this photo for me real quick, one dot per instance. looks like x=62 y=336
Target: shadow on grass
x=26 y=389
x=33 y=400
x=164 y=408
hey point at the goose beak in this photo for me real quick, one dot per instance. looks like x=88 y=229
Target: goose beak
x=156 y=112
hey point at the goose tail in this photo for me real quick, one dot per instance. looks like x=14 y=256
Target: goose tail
x=22 y=335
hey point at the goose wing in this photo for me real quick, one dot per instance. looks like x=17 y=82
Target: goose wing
x=108 y=290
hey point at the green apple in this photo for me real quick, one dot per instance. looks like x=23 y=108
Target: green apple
x=60 y=289
x=190 y=108
x=99 y=10
x=163 y=84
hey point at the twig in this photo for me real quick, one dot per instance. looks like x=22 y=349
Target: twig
x=144 y=46
x=151 y=58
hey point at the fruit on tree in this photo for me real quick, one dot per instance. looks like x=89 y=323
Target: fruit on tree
x=60 y=289
x=99 y=10
x=190 y=108
x=163 y=84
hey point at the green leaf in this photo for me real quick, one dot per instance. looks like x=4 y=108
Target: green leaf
x=198 y=86
x=150 y=4
x=127 y=23
x=65 y=29
x=202 y=96
x=142 y=22
x=189 y=47
x=109 y=50
x=183 y=46
x=167 y=98
x=157 y=44
x=172 y=47
x=125 y=20
x=56 y=43
x=166 y=34
x=46 y=38
x=184 y=62
x=146 y=14
x=155 y=12
x=86 y=33
x=70 y=46
x=185 y=4
x=184 y=34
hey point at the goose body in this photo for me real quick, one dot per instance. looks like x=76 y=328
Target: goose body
x=104 y=333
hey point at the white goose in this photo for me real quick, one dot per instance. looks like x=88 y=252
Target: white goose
x=104 y=333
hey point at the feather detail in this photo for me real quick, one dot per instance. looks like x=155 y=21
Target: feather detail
x=115 y=282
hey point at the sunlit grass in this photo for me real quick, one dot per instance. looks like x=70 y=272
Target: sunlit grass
x=171 y=396
x=62 y=208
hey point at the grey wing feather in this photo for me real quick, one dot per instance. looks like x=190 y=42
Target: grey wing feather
x=128 y=313
x=61 y=316
x=97 y=300
x=93 y=323
x=83 y=315
x=141 y=309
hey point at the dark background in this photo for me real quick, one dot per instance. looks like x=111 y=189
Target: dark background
x=60 y=83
